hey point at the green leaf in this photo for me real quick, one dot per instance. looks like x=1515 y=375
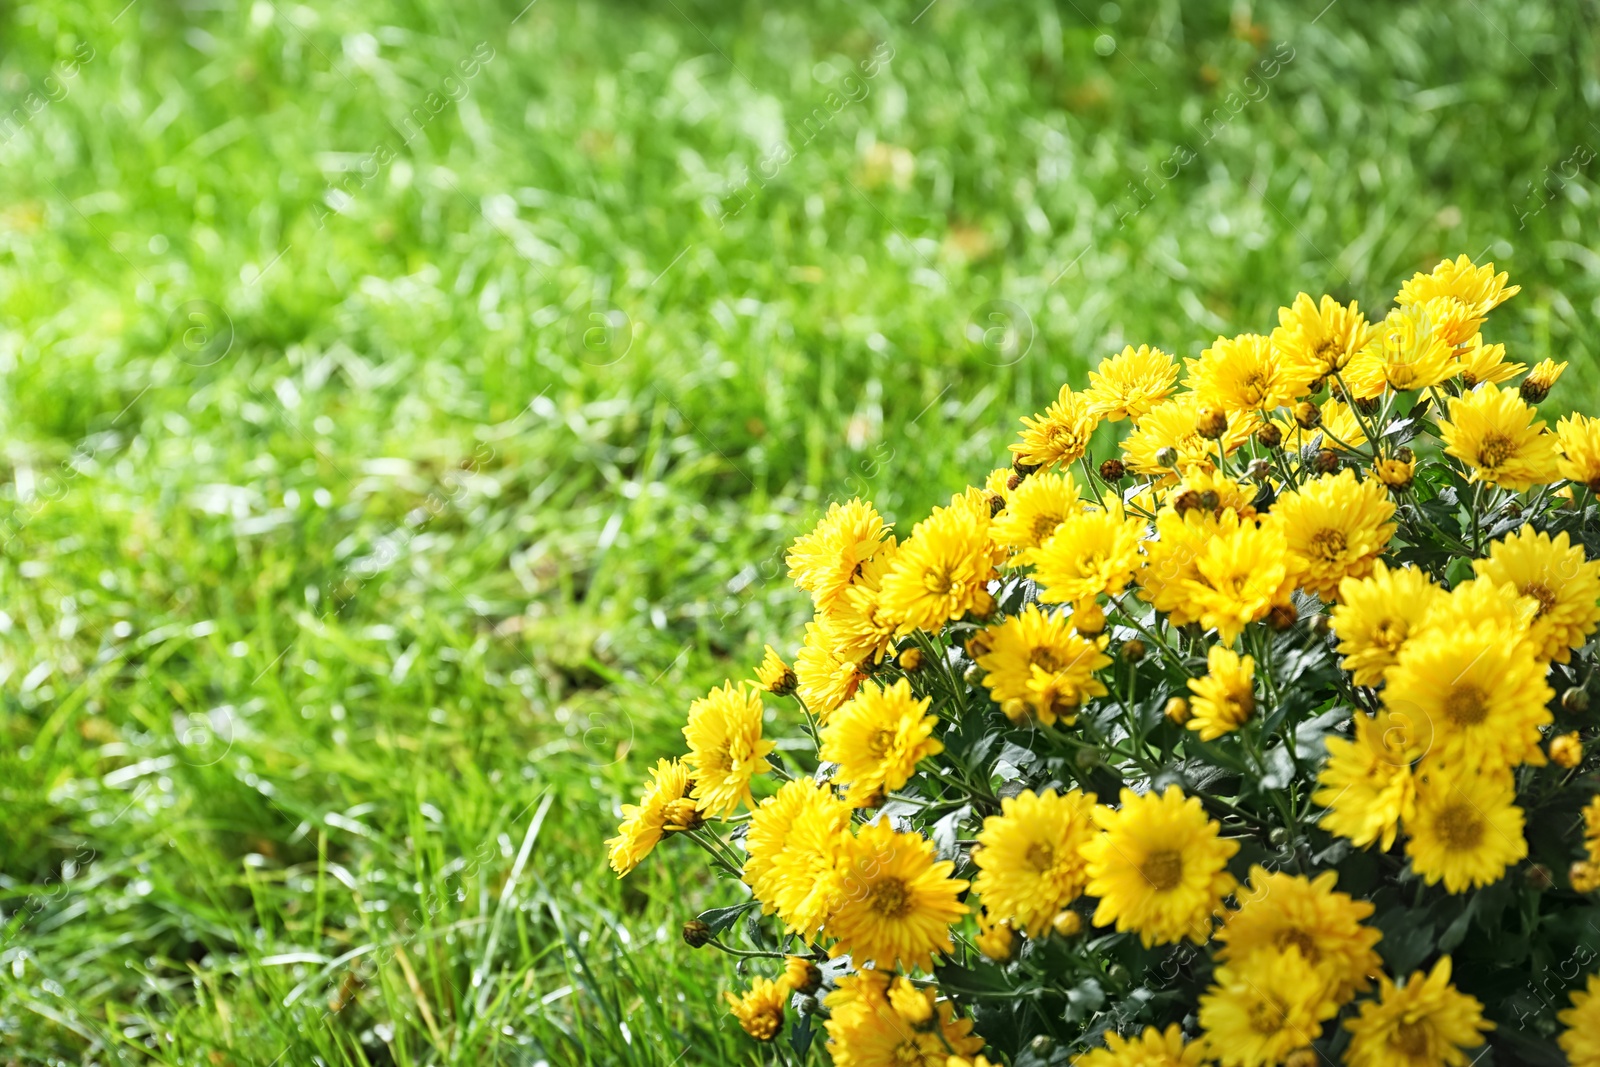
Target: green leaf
x=720 y=919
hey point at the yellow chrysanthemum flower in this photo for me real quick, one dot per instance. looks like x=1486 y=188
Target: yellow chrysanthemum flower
x=1375 y=615
x=855 y=626
x=1244 y=374
x=799 y=845
x=1061 y=434
x=770 y=825
x=1033 y=656
x=1239 y=575
x=1466 y=829
x=1264 y=1007
x=1035 y=508
x=1336 y=528
x=1479 y=602
x=1579 y=461
x=1478 y=688
x=1496 y=434
x=1225 y=697
x=1424 y=1023
x=995 y=938
x=1338 y=429
x=726 y=749
x=1160 y=868
x=1028 y=856
x=825 y=561
x=1480 y=289
x=1540 y=380
x=644 y=823
x=1091 y=553
x=1481 y=363
x=1408 y=350
x=1591 y=829
x=1151 y=1048
x=774 y=675
x=865 y=1030
x=1175 y=424
x=823 y=679
x=941 y=572
x=1366 y=783
x=1170 y=561
x=1130 y=383
x=1277 y=910
x=899 y=901
x=1581 y=1038
x=1315 y=340
x=877 y=738
x=1555 y=575
x=760 y=1010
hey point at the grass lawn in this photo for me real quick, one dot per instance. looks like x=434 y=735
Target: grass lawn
x=407 y=404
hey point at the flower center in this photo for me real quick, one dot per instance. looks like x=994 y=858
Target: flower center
x=1045 y=658
x=1390 y=634
x=1163 y=869
x=1328 y=544
x=890 y=899
x=879 y=742
x=1495 y=450
x=938 y=581
x=1044 y=526
x=1411 y=1038
x=1466 y=705
x=1041 y=857
x=1541 y=593
x=1460 y=827
x=1266 y=1017
x=1300 y=940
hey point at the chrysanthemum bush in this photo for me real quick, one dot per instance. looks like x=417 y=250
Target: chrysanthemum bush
x=1257 y=740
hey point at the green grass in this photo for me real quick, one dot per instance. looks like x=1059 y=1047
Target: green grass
x=326 y=659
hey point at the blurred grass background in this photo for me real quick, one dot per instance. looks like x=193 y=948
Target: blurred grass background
x=406 y=406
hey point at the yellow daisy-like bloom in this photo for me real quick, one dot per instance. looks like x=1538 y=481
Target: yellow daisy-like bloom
x=824 y=562
x=1277 y=910
x=1130 y=383
x=1579 y=461
x=1170 y=562
x=1495 y=433
x=1314 y=340
x=1479 y=689
x=1581 y=1038
x=774 y=675
x=865 y=1029
x=1035 y=508
x=725 y=747
x=1408 y=350
x=1376 y=614
x=644 y=823
x=1244 y=374
x=877 y=738
x=1480 y=602
x=760 y=1011
x=1481 y=363
x=1554 y=574
x=1540 y=380
x=1093 y=552
x=1339 y=429
x=770 y=825
x=856 y=627
x=805 y=876
x=1240 y=573
x=1366 y=783
x=1264 y=1007
x=940 y=573
x=1061 y=434
x=898 y=903
x=1151 y=1048
x=1336 y=528
x=1175 y=424
x=824 y=680
x=1466 y=831
x=1028 y=856
x=1160 y=868
x=1033 y=656
x=1479 y=289
x=1225 y=697
x=1426 y=1022
x=1591 y=829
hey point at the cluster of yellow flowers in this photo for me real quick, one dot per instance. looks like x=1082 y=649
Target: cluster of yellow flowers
x=1315 y=623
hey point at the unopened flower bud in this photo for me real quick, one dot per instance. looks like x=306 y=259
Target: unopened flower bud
x=1367 y=405
x=1167 y=457
x=1187 y=500
x=1303 y=1057
x=1024 y=469
x=1282 y=616
x=1211 y=423
x=1209 y=500
x=1269 y=436
x=1014 y=480
x=1566 y=750
x=1575 y=701
x=802 y=975
x=995 y=940
x=1405 y=455
x=1112 y=470
x=1089 y=620
x=910 y=659
x=1308 y=415
x=978 y=644
x=1327 y=461
x=1067 y=923
x=696 y=934
x=997 y=504
x=1133 y=651
x=1177 y=710
x=1584 y=876
x=1540 y=877
x=1259 y=470
x=1533 y=390
x=1395 y=473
